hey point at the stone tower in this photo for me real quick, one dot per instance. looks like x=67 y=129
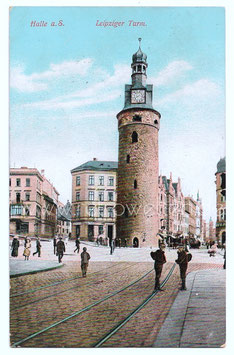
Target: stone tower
x=137 y=186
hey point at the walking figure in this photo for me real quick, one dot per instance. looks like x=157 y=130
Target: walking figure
x=55 y=244
x=27 y=251
x=60 y=249
x=15 y=247
x=159 y=259
x=112 y=246
x=182 y=261
x=77 y=242
x=38 y=248
x=84 y=261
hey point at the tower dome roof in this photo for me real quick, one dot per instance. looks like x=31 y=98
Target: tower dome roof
x=139 y=56
x=221 y=166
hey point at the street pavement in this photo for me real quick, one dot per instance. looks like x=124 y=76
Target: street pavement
x=190 y=321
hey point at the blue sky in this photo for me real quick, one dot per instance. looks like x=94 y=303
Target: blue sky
x=67 y=85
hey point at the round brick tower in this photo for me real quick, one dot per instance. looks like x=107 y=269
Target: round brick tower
x=137 y=184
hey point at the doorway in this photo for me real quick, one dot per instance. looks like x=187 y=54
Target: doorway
x=135 y=243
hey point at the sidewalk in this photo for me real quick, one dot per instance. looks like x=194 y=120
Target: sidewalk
x=197 y=317
x=25 y=267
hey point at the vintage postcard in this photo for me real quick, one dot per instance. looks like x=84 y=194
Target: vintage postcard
x=117 y=180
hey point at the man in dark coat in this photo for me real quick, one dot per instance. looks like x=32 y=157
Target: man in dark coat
x=159 y=259
x=38 y=248
x=84 y=261
x=182 y=261
x=55 y=244
x=77 y=242
x=60 y=249
x=15 y=246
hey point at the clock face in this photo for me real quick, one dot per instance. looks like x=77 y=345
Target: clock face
x=138 y=96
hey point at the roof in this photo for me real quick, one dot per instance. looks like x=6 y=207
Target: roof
x=221 y=166
x=64 y=213
x=174 y=184
x=97 y=165
x=164 y=179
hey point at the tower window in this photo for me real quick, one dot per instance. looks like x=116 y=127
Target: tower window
x=136 y=118
x=143 y=68
x=128 y=158
x=134 y=69
x=134 y=137
x=135 y=184
x=139 y=68
x=156 y=121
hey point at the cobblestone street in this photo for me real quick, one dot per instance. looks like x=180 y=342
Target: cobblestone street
x=59 y=308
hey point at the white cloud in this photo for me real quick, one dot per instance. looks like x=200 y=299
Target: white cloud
x=202 y=89
x=24 y=83
x=171 y=72
x=39 y=81
x=71 y=104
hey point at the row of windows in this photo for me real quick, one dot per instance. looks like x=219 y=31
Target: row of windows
x=101 y=180
x=18 y=182
x=101 y=210
x=27 y=197
x=91 y=196
x=139 y=68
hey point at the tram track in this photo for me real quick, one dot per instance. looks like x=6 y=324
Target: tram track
x=28 y=304
x=56 y=283
x=99 y=302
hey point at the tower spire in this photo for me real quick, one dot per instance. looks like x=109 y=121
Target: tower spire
x=139 y=39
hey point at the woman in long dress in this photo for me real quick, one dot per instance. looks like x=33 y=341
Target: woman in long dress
x=15 y=247
x=27 y=249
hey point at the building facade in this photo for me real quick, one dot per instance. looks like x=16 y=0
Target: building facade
x=190 y=208
x=33 y=203
x=94 y=200
x=137 y=185
x=221 y=201
x=64 y=220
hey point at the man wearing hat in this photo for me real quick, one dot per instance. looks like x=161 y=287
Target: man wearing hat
x=60 y=249
x=159 y=259
x=182 y=261
x=84 y=261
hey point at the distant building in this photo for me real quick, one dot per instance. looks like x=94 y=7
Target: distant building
x=211 y=230
x=64 y=220
x=171 y=206
x=221 y=201
x=33 y=203
x=199 y=219
x=94 y=200
x=190 y=208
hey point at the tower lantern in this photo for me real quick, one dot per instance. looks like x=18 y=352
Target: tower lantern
x=137 y=186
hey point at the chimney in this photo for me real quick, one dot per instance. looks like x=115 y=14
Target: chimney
x=94 y=159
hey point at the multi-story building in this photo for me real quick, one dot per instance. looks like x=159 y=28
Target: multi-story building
x=171 y=205
x=64 y=220
x=199 y=219
x=190 y=208
x=221 y=201
x=94 y=200
x=33 y=203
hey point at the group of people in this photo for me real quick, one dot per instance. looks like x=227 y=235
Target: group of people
x=27 y=247
x=182 y=260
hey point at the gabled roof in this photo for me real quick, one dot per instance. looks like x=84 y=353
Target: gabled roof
x=175 y=184
x=97 y=165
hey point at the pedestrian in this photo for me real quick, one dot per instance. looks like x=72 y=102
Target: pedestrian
x=60 y=249
x=182 y=261
x=55 y=244
x=77 y=242
x=224 y=256
x=27 y=251
x=38 y=248
x=112 y=246
x=84 y=261
x=159 y=259
x=15 y=246
x=97 y=241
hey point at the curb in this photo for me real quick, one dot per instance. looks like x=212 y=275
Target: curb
x=35 y=271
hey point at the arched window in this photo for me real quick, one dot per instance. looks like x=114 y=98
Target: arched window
x=126 y=212
x=135 y=184
x=136 y=118
x=139 y=68
x=134 y=137
x=128 y=158
x=156 y=121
